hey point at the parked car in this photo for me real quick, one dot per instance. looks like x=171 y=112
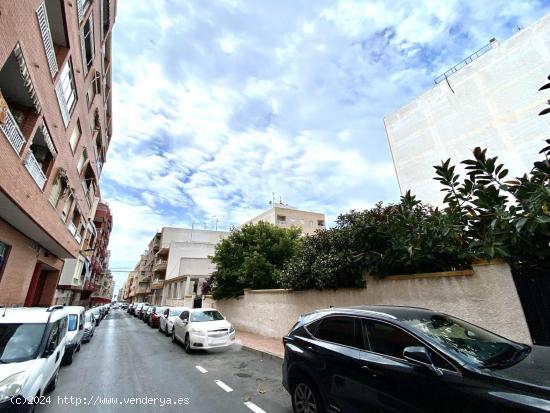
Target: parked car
x=32 y=346
x=75 y=331
x=202 y=328
x=147 y=311
x=142 y=310
x=97 y=315
x=124 y=306
x=131 y=308
x=89 y=326
x=155 y=316
x=137 y=309
x=403 y=359
x=166 y=320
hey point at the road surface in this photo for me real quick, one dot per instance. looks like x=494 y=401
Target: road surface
x=130 y=367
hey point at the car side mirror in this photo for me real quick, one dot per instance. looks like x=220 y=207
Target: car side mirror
x=420 y=356
x=50 y=349
x=81 y=327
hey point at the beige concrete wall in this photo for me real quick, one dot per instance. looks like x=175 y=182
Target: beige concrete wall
x=487 y=298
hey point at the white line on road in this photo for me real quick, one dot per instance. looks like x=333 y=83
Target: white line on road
x=223 y=385
x=201 y=369
x=254 y=408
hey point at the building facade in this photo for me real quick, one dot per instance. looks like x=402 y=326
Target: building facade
x=285 y=216
x=173 y=267
x=55 y=129
x=491 y=100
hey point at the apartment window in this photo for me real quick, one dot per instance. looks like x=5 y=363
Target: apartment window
x=75 y=136
x=66 y=92
x=82 y=6
x=4 y=250
x=67 y=207
x=321 y=222
x=82 y=160
x=87 y=44
x=281 y=219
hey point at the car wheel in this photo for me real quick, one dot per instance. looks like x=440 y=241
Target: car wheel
x=78 y=348
x=305 y=397
x=53 y=384
x=174 y=339
x=187 y=344
x=68 y=358
x=160 y=328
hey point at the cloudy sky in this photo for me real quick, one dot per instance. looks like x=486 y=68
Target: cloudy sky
x=219 y=104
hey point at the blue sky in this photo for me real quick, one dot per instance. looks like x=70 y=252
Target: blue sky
x=218 y=104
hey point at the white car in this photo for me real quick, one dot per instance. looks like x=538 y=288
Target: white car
x=75 y=332
x=166 y=320
x=31 y=349
x=202 y=328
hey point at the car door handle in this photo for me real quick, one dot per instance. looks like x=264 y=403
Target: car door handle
x=312 y=349
x=375 y=372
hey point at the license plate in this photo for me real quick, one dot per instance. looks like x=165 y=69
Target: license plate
x=216 y=342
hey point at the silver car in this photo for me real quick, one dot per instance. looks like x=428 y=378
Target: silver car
x=89 y=326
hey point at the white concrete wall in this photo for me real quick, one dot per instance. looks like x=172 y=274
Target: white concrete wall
x=487 y=298
x=495 y=105
x=180 y=251
x=196 y=266
x=169 y=235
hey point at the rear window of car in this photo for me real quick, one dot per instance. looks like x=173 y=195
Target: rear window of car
x=73 y=322
x=339 y=330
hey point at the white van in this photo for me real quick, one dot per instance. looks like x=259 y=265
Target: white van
x=31 y=349
x=75 y=332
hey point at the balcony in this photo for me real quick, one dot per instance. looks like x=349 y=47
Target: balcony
x=157 y=284
x=143 y=290
x=11 y=130
x=35 y=170
x=160 y=265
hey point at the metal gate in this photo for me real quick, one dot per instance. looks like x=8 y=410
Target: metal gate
x=534 y=293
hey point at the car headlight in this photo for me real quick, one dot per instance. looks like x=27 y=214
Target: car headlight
x=198 y=332
x=12 y=385
x=231 y=330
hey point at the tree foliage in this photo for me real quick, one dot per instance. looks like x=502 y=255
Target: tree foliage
x=252 y=257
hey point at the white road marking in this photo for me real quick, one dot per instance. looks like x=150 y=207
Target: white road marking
x=201 y=369
x=223 y=385
x=254 y=408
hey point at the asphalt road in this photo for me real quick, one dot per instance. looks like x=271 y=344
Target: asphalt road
x=127 y=365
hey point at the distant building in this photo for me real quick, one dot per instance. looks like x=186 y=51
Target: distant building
x=489 y=100
x=174 y=266
x=285 y=216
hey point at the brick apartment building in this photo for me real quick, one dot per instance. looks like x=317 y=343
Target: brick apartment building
x=55 y=129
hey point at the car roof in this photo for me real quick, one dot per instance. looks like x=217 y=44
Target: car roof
x=30 y=315
x=74 y=309
x=197 y=310
x=394 y=312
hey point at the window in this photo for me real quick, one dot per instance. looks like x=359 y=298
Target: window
x=73 y=322
x=67 y=207
x=321 y=222
x=20 y=342
x=4 y=250
x=82 y=6
x=340 y=330
x=385 y=339
x=66 y=92
x=75 y=136
x=82 y=160
x=87 y=44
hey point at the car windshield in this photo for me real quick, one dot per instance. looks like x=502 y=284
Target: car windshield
x=88 y=317
x=160 y=310
x=20 y=342
x=200 y=316
x=175 y=313
x=470 y=343
x=73 y=322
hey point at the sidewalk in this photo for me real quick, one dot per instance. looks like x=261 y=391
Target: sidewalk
x=261 y=344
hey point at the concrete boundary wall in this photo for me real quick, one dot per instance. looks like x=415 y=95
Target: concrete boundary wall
x=486 y=296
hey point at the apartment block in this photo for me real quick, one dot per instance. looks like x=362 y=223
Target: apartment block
x=55 y=130
x=285 y=216
x=491 y=99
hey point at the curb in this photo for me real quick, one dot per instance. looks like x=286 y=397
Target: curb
x=262 y=353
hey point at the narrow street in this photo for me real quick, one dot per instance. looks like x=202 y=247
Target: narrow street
x=127 y=365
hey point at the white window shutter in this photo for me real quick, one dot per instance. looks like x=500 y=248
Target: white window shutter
x=83 y=52
x=62 y=104
x=92 y=42
x=80 y=8
x=44 y=25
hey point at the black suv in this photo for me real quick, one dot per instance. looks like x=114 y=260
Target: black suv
x=403 y=359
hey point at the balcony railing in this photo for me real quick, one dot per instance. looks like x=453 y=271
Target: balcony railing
x=34 y=169
x=157 y=284
x=72 y=228
x=12 y=132
x=160 y=265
